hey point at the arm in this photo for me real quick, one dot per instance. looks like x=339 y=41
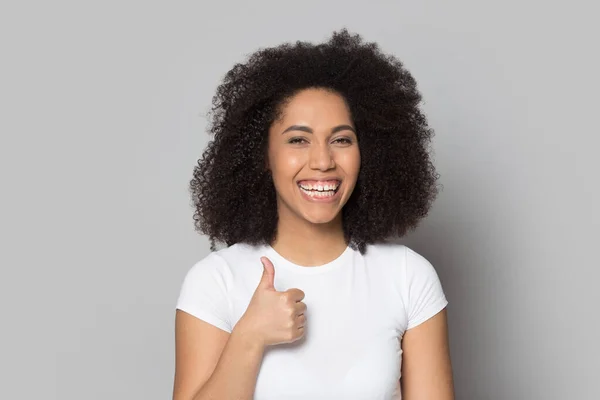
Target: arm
x=426 y=367
x=213 y=364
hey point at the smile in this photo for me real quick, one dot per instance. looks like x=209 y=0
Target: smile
x=319 y=190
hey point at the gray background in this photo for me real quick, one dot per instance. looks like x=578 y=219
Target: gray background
x=101 y=122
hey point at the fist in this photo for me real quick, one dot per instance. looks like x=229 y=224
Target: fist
x=274 y=317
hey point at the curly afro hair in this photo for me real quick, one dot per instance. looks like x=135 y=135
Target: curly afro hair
x=233 y=193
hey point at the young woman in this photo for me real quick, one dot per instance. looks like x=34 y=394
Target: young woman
x=319 y=156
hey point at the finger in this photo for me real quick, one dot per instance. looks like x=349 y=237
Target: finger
x=296 y=294
x=301 y=321
x=300 y=308
x=267 y=280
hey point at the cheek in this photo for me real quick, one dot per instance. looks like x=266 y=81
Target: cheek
x=350 y=162
x=286 y=163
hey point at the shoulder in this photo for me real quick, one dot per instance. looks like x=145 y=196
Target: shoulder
x=240 y=253
x=397 y=254
x=415 y=279
x=385 y=249
x=219 y=270
x=226 y=263
x=407 y=269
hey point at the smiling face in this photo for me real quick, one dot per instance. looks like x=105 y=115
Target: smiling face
x=314 y=157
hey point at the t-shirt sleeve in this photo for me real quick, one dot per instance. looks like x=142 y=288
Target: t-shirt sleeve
x=425 y=294
x=204 y=293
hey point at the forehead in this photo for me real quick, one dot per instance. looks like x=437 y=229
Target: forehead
x=315 y=106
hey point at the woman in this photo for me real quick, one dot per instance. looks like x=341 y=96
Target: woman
x=319 y=157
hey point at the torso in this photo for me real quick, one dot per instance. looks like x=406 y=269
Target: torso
x=356 y=316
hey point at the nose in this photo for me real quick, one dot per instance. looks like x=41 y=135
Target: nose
x=321 y=158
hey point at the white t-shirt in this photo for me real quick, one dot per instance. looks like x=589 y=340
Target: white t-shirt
x=358 y=308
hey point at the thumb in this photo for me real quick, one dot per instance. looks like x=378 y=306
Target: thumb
x=268 y=276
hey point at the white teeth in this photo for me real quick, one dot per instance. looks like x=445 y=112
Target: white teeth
x=319 y=187
x=317 y=194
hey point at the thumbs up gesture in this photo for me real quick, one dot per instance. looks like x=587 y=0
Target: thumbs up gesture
x=274 y=317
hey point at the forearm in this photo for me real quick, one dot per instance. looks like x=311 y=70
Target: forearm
x=235 y=374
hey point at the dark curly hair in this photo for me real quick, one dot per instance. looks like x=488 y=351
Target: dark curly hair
x=234 y=195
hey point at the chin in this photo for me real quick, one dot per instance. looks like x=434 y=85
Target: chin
x=320 y=218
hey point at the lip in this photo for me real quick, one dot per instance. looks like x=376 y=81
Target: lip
x=329 y=199
x=326 y=178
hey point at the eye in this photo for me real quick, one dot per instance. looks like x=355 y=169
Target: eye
x=343 y=140
x=297 y=140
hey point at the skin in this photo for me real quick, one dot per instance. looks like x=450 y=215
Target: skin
x=207 y=357
x=426 y=366
x=315 y=138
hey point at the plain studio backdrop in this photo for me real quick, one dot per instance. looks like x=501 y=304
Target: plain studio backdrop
x=102 y=121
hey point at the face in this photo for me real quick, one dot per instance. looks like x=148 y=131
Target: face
x=313 y=157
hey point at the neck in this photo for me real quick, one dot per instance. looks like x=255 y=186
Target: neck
x=308 y=244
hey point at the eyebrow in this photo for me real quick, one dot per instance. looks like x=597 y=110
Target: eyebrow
x=309 y=130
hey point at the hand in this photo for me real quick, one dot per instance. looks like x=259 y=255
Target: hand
x=274 y=317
